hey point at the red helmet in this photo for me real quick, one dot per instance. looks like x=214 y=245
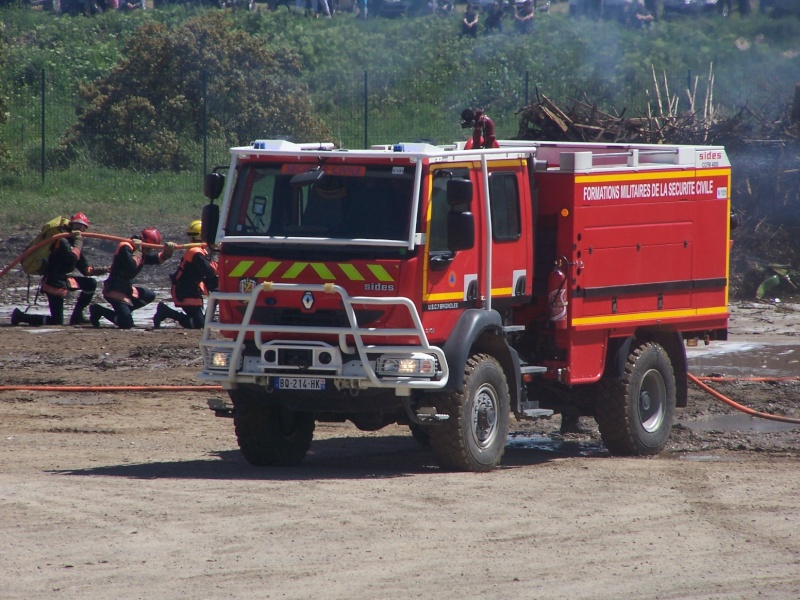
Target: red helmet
x=150 y=235
x=79 y=218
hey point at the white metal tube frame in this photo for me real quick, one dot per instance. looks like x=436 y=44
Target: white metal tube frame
x=251 y=298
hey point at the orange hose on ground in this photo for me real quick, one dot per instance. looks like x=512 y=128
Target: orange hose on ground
x=738 y=406
x=112 y=388
x=757 y=379
x=101 y=236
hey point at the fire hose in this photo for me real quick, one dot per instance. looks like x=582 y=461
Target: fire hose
x=101 y=236
x=697 y=381
x=111 y=388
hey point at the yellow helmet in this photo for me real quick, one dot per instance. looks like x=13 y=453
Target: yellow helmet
x=193 y=230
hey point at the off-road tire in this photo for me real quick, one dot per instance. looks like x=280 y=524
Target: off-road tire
x=270 y=436
x=474 y=437
x=635 y=413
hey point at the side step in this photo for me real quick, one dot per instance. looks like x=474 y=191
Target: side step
x=531 y=410
x=220 y=408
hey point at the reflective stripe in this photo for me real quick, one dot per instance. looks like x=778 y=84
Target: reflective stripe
x=380 y=273
x=325 y=271
x=294 y=270
x=351 y=272
x=267 y=269
x=241 y=268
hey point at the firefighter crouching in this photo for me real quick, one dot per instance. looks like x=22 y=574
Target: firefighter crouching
x=118 y=289
x=196 y=277
x=66 y=255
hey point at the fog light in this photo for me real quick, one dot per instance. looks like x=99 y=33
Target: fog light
x=405 y=366
x=325 y=358
x=219 y=359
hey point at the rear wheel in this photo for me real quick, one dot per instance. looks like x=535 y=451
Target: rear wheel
x=267 y=435
x=474 y=437
x=636 y=414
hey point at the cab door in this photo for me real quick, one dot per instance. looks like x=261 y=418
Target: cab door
x=450 y=278
x=512 y=252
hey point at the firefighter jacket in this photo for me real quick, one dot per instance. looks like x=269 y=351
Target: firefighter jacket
x=64 y=259
x=125 y=267
x=196 y=277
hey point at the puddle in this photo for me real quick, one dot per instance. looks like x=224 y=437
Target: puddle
x=543 y=443
x=738 y=359
x=142 y=318
x=738 y=422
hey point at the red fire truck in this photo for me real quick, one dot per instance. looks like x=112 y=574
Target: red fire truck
x=447 y=288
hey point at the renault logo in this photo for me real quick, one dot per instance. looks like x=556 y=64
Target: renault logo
x=308 y=300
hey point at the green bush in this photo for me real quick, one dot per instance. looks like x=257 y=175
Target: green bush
x=140 y=114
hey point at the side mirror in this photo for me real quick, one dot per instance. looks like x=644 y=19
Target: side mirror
x=735 y=220
x=213 y=184
x=459 y=192
x=460 y=230
x=210 y=220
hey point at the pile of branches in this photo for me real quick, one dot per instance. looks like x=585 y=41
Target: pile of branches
x=664 y=121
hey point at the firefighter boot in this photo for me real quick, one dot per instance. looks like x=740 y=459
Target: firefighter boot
x=571 y=423
x=97 y=312
x=164 y=312
x=18 y=317
x=78 y=317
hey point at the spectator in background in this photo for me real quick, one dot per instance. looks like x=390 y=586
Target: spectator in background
x=523 y=20
x=636 y=15
x=494 y=20
x=469 y=24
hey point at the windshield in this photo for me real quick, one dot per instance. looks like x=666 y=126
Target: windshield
x=345 y=202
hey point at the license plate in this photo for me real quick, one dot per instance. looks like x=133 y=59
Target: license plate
x=299 y=383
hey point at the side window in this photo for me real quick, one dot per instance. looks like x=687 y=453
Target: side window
x=437 y=232
x=504 y=203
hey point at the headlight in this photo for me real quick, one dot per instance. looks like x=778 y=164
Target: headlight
x=418 y=364
x=219 y=358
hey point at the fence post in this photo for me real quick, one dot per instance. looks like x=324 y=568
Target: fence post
x=366 y=110
x=205 y=123
x=43 y=115
x=527 y=83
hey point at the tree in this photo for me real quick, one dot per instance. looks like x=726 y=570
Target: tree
x=150 y=106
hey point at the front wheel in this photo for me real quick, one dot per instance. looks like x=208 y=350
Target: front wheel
x=474 y=437
x=270 y=436
x=636 y=414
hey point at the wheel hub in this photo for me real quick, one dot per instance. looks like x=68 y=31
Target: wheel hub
x=484 y=417
x=652 y=401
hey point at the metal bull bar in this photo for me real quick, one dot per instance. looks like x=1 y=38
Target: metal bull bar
x=207 y=343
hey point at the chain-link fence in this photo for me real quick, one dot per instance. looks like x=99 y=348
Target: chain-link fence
x=358 y=109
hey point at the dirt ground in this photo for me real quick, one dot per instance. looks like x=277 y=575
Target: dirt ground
x=142 y=494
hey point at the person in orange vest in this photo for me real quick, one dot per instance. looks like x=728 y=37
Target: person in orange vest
x=196 y=277
x=483 y=135
x=118 y=289
x=66 y=255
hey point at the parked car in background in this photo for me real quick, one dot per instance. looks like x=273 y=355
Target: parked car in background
x=695 y=6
